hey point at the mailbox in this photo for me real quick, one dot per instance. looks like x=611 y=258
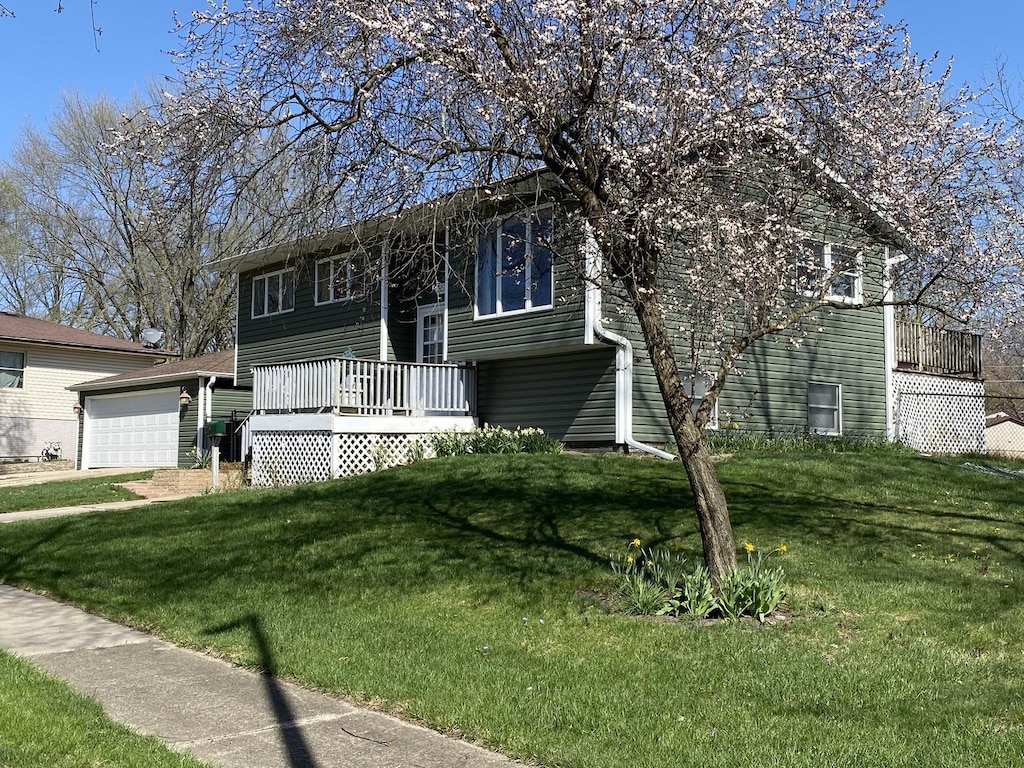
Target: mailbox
x=216 y=428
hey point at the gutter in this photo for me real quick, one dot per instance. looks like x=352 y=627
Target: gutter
x=593 y=328
x=101 y=384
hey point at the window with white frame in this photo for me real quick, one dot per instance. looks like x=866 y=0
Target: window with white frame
x=840 y=266
x=696 y=386
x=336 y=279
x=12 y=370
x=514 y=261
x=824 y=411
x=273 y=293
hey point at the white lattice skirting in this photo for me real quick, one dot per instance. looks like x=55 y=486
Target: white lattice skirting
x=937 y=414
x=292 y=458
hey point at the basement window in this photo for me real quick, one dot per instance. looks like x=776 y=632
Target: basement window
x=824 y=411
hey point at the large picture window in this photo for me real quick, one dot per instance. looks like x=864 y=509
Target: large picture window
x=514 y=265
x=824 y=411
x=12 y=370
x=838 y=265
x=273 y=293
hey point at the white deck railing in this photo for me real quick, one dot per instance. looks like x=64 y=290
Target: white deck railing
x=364 y=387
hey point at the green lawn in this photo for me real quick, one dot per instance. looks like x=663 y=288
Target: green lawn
x=46 y=724
x=467 y=593
x=68 y=493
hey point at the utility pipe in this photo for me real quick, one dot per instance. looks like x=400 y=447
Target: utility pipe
x=623 y=353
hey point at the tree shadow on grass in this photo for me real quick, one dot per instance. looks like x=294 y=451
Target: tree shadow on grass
x=536 y=524
x=11 y=559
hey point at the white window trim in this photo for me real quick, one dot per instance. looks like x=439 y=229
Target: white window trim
x=350 y=278
x=264 y=277
x=826 y=269
x=839 y=408
x=526 y=215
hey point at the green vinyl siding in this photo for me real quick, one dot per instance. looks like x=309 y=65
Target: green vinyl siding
x=401 y=332
x=766 y=392
x=514 y=334
x=570 y=395
x=309 y=331
x=187 y=426
x=227 y=400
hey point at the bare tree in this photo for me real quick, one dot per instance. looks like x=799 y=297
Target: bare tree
x=115 y=242
x=691 y=136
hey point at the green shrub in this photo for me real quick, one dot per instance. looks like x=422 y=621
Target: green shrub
x=733 y=439
x=655 y=581
x=696 y=595
x=641 y=596
x=493 y=440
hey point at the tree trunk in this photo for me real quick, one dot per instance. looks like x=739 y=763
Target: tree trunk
x=717 y=542
x=716 y=536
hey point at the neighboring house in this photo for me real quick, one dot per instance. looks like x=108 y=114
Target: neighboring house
x=39 y=360
x=1004 y=435
x=348 y=374
x=158 y=416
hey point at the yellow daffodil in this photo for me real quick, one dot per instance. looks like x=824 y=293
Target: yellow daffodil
x=749 y=546
x=629 y=559
x=635 y=543
x=783 y=549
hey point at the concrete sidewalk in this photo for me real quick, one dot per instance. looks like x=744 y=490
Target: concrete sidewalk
x=219 y=713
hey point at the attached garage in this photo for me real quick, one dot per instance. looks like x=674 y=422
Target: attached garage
x=131 y=430
x=155 y=417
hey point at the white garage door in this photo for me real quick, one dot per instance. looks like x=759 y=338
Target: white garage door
x=131 y=430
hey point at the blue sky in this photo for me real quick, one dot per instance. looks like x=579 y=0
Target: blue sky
x=42 y=52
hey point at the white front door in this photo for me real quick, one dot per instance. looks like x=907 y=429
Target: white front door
x=134 y=430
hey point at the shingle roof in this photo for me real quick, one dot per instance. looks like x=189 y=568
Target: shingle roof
x=31 y=330
x=216 y=364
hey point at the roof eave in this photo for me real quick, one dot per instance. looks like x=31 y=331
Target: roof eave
x=112 y=381
x=90 y=347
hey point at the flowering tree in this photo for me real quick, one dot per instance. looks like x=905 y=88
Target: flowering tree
x=692 y=136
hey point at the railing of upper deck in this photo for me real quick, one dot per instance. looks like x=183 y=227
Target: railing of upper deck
x=935 y=350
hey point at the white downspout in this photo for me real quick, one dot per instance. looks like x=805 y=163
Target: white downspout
x=205 y=410
x=889 y=342
x=384 y=333
x=200 y=416
x=623 y=353
x=209 y=397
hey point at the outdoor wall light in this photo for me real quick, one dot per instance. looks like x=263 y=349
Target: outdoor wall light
x=77 y=408
x=184 y=398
